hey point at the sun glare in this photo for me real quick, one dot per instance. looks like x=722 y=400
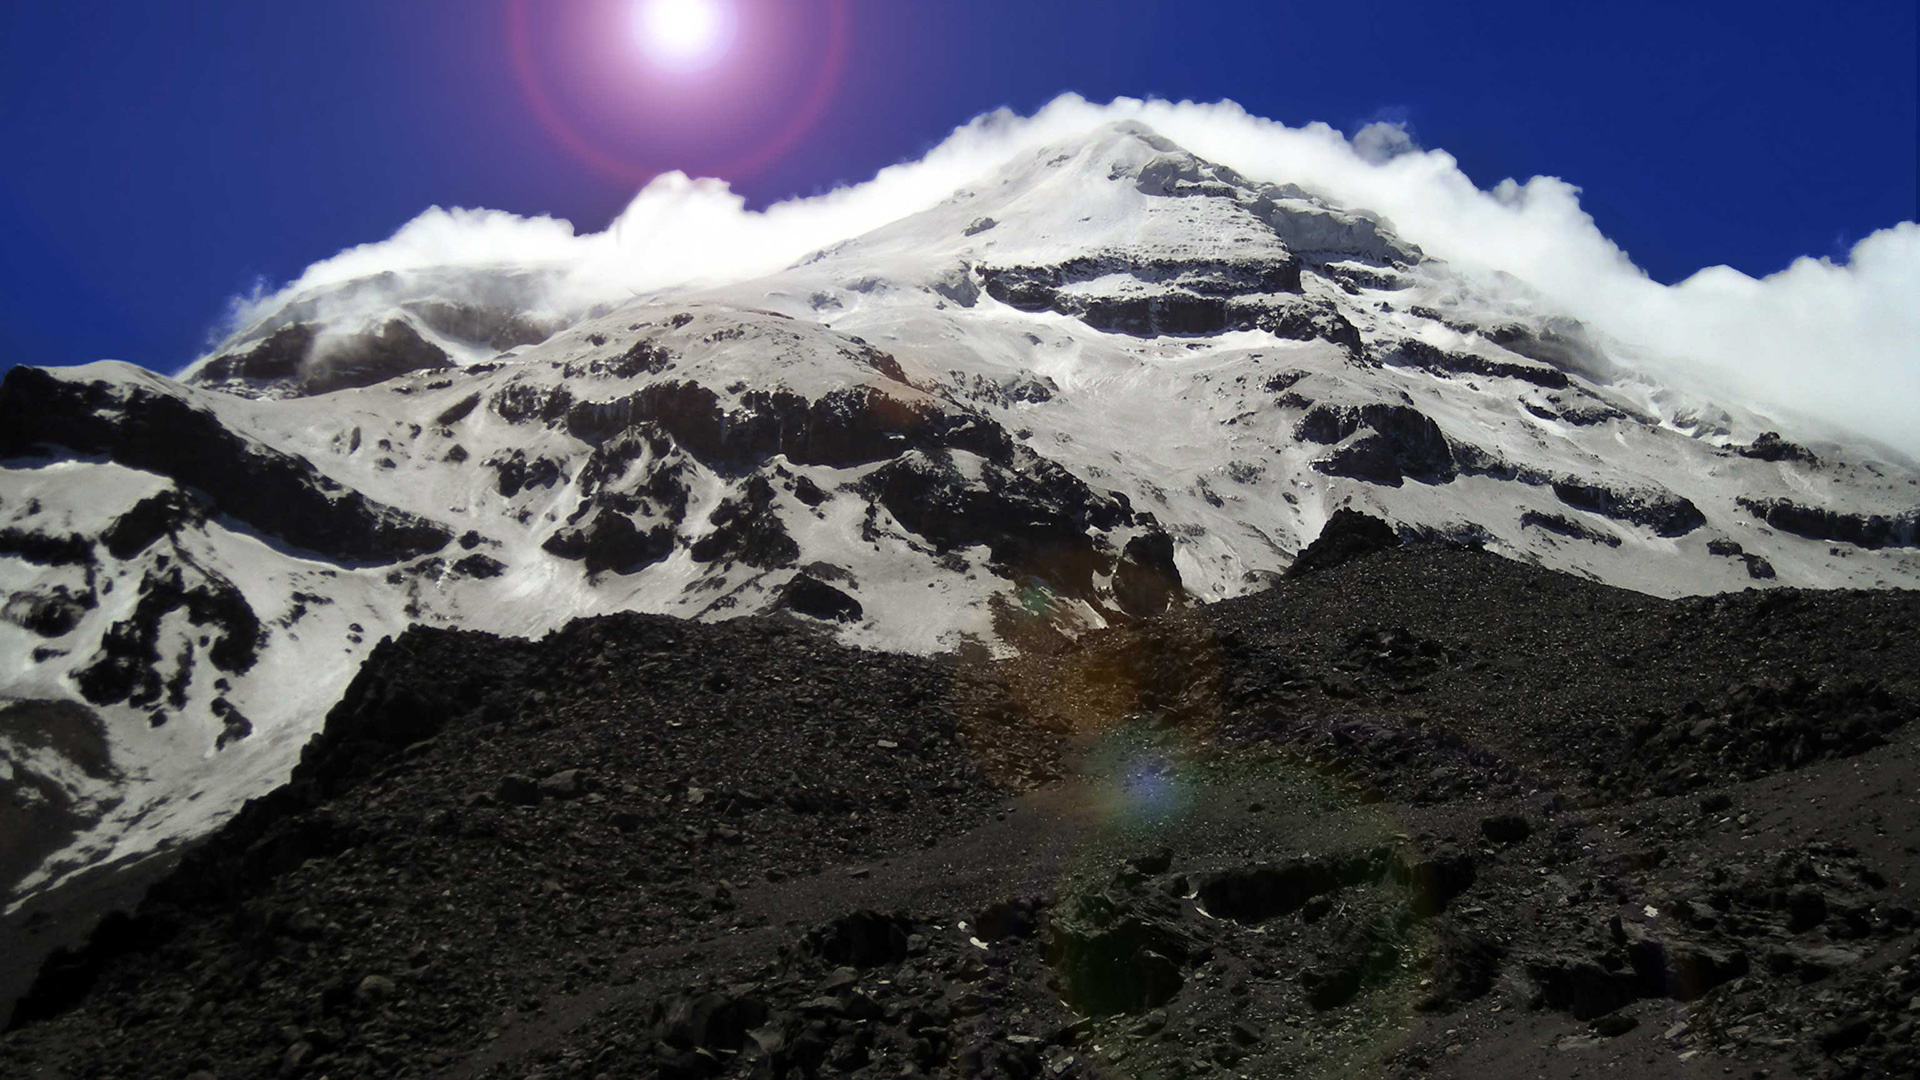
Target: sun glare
x=682 y=34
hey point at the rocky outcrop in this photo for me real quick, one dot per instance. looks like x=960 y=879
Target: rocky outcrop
x=1394 y=443
x=1165 y=295
x=50 y=612
x=1035 y=518
x=162 y=514
x=747 y=529
x=1302 y=320
x=609 y=540
x=46 y=549
x=1153 y=297
x=852 y=426
x=1347 y=535
x=495 y=327
x=1870 y=531
x=1564 y=343
x=1769 y=446
x=128 y=665
x=1146 y=582
x=1758 y=567
x=1666 y=513
x=809 y=595
x=1562 y=525
x=300 y=360
x=1413 y=352
x=515 y=472
x=277 y=493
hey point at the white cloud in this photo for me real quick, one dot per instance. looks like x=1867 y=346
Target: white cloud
x=1382 y=141
x=1838 y=342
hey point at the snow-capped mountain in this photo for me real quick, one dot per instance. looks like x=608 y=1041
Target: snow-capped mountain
x=1105 y=379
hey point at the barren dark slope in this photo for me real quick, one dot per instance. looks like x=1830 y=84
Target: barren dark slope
x=1426 y=811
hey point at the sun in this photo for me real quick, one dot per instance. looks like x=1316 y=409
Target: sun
x=684 y=35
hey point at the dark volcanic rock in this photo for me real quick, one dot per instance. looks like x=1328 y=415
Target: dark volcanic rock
x=648 y=847
x=1681 y=970
x=162 y=514
x=1347 y=535
x=863 y=939
x=1563 y=343
x=296 y=356
x=495 y=326
x=157 y=432
x=747 y=529
x=1564 y=526
x=1506 y=828
x=851 y=426
x=1870 y=531
x=611 y=541
x=1580 y=986
x=1146 y=582
x=46 y=549
x=127 y=668
x=1416 y=353
x=516 y=472
x=50 y=612
x=1034 y=517
x=1666 y=513
x=1395 y=442
x=434 y=711
x=1303 y=321
x=1769 y=446
x=1124 y=961
x=809 y=595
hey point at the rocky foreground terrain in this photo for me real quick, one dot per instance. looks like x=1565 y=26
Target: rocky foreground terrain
x=1414 y=811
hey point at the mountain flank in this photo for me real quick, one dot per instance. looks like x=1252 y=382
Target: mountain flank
x=1417 y=811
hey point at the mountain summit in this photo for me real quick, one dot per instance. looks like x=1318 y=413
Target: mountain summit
x=1104 y=381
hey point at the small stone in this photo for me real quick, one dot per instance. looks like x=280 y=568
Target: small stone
x=517 y=790
x=1845 y=1035
x=565 y=784
x=859 y=872
x=1806 y=909
x=840 y=979
x=1148 y=1025
x=1614 y=1025
x=1152 y=864
x=1716 y=803
x=374 y=989
x=1506 y=828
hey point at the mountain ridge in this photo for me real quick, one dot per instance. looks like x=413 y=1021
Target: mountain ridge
x=1103 y=381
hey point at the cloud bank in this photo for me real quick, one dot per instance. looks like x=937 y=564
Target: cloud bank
x=1836 y=344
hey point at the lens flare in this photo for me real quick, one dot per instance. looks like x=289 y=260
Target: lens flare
x=684 y=35
x=718 y=88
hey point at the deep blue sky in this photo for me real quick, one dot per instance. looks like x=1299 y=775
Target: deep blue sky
x=156 y=158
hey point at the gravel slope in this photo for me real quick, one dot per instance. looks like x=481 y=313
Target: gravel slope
x=1423 y=811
